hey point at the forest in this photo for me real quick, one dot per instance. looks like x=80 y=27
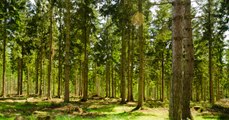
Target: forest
x=114 y=59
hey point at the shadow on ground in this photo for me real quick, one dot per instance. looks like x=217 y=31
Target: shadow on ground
x=102 y=109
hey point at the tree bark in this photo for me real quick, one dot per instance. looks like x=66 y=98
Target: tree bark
x=112 y=79
x=175 y=107
x=188 y=62
x=129 y=66
x=162 y=77
x=67 y=51
x=4 y=59
x=28 y=82
x=20 y=76
x=130 y=97
x=123 y=61
x=209 y=28
x=50 y=51
x=37 y=74
x=41 y=71
x=60 y=54
x=85 y=62
x=141 y=57
x=76 y=81
x=21 y=79
x=81 y=80
x=132 y=63
x=108 y=78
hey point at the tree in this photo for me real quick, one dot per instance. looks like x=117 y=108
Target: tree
x=67 y=51
x=123 y=55
x=141 y=56
x=4 y=50
x=209 y=28
x=188 y=62
x=50 y=48
x=176 y=83
x=85 y=42
x=130 y=65
x=60 y=49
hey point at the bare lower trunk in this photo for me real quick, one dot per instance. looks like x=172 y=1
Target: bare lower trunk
x=81 y=80
x=67 y=50
x=141 y=57
x=112 y=79
x=41 y=72
x=85 y=65
x=107 y=79
x=20 y=76
x=50 y=53
x=129 y=67
x=37 y=74
x=4 y=60
x=210 y=53
x=60 y=54
x=175 y=108
x=188 y=62
x=28 y=82
x=162 y=77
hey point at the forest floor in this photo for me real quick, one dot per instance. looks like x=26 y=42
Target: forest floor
x=21 y=108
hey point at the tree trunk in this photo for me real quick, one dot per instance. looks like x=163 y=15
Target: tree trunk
x=76 y=81
x=201 y=88
x=141 y=57
x=219 y=92
x=114 y=83
x=188 y=62
x=130 y=97
x=205 y=91
x=85 y=70
x=19 y=76
x=210 y=53
x=112 y=79
x=98 y=86
x=67 y=52
x=156 y=90
x=123 y=61
x=197 y=93
x=162 y=77
x=60 y=53
x=129 y=66
x=107 y=78
x=37 y=74
x=28 y=81
x=81 y=80
x=41 y=70
x=4 y=59
x=132 y=62
x=85 y=62
x=50 y=51
x=21 y=80
x=175 y=108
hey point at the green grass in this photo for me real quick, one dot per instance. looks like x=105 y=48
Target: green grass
x=93 y=109
x=117 y=116
x=210 y=117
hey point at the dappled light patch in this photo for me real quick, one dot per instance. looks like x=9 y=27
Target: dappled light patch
x=70 y=108
x=121 y=108
x=132 y=104
x=223 y=102
x=99 y=109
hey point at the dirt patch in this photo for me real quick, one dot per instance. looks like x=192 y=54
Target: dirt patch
x=70 y=108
